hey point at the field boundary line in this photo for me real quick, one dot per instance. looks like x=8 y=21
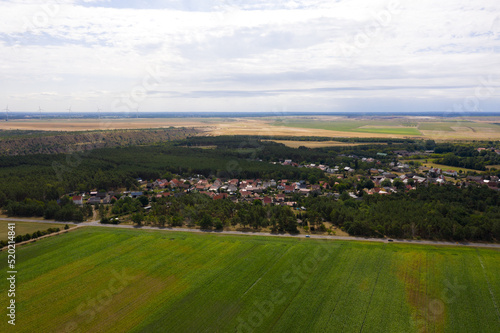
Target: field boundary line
x=489 y=285
x=267 y=270
x=371 y=297
x=343 y=291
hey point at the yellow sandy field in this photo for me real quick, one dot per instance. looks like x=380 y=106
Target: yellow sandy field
x=462 y=129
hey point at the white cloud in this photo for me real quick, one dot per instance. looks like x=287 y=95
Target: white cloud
x=247 y=55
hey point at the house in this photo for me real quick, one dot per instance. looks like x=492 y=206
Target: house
x=201 y=187
x=451 y=173
x=136 y=194
x=245 y=194
x=176 y=183
x=106 y=200
x=78 y=200
x=289 y=188
x=214 y=188
x=280 y=197
x=220 y=196
x=267 y=200
x=435 y=171
x=304 y=191
x=316 y=189
x=94 y=201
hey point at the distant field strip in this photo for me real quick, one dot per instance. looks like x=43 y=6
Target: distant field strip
x=378 y=127
x=321 y=144
x=103 y=280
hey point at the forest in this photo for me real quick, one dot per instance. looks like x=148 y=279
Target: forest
x=36 y=185
x=430 y=212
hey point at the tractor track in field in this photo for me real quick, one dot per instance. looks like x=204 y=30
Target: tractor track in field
x=371 y=297
x=493 y=299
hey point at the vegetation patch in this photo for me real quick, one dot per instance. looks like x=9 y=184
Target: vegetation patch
x=95 y=279
x=23 y=228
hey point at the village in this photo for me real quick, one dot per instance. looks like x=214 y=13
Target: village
x=384 y=179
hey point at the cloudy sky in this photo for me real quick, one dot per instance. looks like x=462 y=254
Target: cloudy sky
x=250 y=55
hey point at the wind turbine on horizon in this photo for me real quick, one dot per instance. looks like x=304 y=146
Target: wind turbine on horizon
x=69 y=112
x=137 y=113
x=7 y=111
x=40 y=111
x=99 y=112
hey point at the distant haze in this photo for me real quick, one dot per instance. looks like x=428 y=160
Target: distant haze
x=250 y=56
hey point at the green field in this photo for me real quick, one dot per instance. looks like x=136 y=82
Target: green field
x=23 y=228
x=98 y=280
x=437 y=126
x=358 y=126
x=443 y=167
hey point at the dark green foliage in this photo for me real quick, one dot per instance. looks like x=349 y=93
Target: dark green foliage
x=434 y=212
x=49 y=210
x=199 y=209
x=36 y=234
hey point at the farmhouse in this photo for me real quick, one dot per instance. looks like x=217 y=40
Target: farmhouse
x=78 y=200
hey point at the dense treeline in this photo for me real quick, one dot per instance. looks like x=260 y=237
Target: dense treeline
x=217 y=140
x=64 y=210
x=434 y=212
x=470 y=158
x=48 y=177
x=33 y=142
x=201 y=210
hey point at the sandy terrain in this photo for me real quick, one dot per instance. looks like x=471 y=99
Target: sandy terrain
x=104 y=124
x=248 y=126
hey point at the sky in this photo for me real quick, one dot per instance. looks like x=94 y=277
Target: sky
x=250 y=55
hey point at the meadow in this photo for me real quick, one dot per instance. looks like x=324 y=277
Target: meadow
x=436 y=128
x=23 y=228
x=99 y=280
x=440 y=129
x=361 y=126
x=430 y=164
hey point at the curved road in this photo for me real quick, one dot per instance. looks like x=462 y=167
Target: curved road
x=346 y=238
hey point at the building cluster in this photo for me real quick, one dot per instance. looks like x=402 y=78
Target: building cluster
x=395 y=177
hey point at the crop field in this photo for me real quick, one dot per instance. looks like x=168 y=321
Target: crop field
x=23 y=228
x=443 y=167
x=98 y=280
x=479 y=128
x=438 y=129
x=362 y=126
x=438 y=126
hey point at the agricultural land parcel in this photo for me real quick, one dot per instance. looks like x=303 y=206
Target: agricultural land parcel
x=478 y=128
x=23 y=228
x=132 y=280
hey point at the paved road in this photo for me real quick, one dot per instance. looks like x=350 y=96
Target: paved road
x=347 y=238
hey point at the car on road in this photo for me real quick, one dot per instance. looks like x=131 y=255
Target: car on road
x=390 y=240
